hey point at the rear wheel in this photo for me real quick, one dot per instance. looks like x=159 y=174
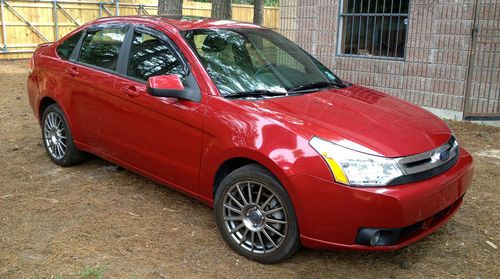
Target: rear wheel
x=255 y=215
x=57 y=138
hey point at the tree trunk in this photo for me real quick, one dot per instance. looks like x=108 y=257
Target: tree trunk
x=170 y=7
x=258 y=12
x=221 y=9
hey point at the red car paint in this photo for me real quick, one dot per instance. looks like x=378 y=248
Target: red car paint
x=183 y=144
x=170 y=82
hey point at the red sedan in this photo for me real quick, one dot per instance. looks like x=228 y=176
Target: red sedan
x=239 y=117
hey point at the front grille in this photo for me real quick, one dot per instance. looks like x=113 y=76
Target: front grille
x=410 y=178
x=428 y=164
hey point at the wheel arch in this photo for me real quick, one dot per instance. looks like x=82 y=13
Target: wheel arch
x=235 y=162
x=44 y=103
x=48 y=100
x=229 y=166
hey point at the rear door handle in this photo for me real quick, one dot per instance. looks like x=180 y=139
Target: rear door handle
x=73 y=71
x=130 y=90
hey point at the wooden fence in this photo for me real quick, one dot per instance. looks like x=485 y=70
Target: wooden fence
x=25 y=23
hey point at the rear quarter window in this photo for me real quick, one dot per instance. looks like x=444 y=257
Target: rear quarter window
x=65 y=49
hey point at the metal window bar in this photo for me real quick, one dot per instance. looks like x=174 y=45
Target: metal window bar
x=397 y=28
x=374 y=24
x=389 y=32
x=352 y=24
x=359 y=23
x=367 y=24
x=385 y=42
x=381 y=30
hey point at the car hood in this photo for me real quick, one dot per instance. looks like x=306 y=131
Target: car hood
x=359 y=118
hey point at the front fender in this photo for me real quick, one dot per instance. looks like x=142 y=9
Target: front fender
x=234 y=132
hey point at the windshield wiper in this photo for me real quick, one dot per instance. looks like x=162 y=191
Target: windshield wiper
x=257 y=94
x=316 y=86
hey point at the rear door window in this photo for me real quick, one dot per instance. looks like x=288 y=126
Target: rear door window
x=65 y=49
x=101 y=47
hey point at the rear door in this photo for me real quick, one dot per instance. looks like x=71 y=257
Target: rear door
x=93 y=74
x=161 y=136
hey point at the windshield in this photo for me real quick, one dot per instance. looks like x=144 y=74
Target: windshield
x=256 y=60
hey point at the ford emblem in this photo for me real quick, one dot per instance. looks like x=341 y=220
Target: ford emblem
x=445 y=155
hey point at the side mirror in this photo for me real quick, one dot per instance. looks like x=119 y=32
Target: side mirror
x=172 y=86
x=165 y=86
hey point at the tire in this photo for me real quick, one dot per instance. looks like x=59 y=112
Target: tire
x=57 y=138
x=248 y=215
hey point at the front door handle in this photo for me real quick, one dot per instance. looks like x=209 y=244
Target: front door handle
x=130 y=90
x=73 y=71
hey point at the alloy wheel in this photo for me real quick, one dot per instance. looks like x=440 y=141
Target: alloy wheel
x=255 y=217
x=54 y=133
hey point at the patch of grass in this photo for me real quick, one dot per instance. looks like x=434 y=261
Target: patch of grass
x=93 y=272
x=88 y=272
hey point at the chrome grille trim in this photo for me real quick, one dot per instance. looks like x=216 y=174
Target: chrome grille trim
x=429 y=160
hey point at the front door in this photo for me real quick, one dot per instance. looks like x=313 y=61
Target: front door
x=160 y=136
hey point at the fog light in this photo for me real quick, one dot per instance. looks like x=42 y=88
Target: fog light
x=375 y=238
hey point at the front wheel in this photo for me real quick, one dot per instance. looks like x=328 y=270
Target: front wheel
x=255 y=215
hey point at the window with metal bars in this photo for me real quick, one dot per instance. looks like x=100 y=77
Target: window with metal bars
x=373 y=28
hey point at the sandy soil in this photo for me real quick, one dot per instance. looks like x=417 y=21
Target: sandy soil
x=56 y=221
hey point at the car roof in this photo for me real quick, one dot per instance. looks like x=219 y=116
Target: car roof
x=181 y=22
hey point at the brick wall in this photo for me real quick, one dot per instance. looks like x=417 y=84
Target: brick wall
x=434 y=71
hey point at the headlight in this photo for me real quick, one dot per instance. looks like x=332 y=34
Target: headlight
x=356 y=168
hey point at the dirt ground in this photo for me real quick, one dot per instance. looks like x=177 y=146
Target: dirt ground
x=62 y=222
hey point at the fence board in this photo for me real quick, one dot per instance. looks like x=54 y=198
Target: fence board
x=21 y=39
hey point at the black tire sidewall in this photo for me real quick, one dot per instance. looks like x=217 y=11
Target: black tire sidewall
x=261 y=175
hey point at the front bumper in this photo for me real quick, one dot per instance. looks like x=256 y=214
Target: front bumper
x=331 y=215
